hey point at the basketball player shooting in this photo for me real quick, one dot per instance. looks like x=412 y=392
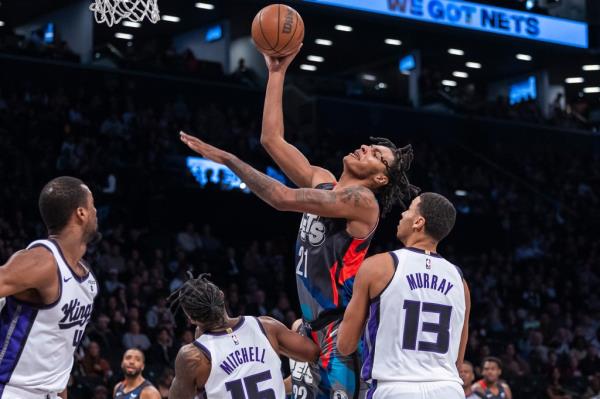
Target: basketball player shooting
x=233 y=358
x=49 y=295
x=415 y=305
x=339 y=220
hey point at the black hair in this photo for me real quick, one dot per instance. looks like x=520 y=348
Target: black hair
x=439 y=214
x=493 y=359
x=59 y=199
x=201 y=300
x=398 y=190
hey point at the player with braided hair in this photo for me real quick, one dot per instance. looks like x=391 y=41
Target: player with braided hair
x=232 y=357
x=340 y=217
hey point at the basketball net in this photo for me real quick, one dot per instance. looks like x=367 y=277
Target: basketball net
x=114 y=11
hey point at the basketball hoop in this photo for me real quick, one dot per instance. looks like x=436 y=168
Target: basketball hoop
x=114 y=11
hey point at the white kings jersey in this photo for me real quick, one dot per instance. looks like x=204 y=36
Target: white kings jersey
x=414 y=327
x=243 y=363
x=37 y=342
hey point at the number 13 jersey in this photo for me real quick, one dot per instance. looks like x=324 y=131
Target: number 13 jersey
x=414 y=327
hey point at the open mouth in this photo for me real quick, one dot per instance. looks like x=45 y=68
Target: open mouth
x=355 y=154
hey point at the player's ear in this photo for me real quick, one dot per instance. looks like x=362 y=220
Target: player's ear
x=381 y=180
x=419 y=223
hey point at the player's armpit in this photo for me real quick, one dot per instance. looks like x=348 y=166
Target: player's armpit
x=27 y=269
x=290 y=343
x=191 y=373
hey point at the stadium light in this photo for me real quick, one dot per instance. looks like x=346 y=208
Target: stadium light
x=574 y=80
x=343 y=28
x=591 y=90
x=205 y=6
x=474 y=65
x=124 y=36
x=460 y=74
x=324 y=42
x=308 y=67
x=381 y=86
x=170 y=18
x=131 y=24
x=456 y=51
x=449 y=83
x=1 y=23
x=591 y=67
x=315 y=58
x=524 y=57
x=369 y=77
x=393 y=42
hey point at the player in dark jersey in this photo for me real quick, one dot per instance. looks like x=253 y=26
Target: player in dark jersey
x=134 y=386
x=491 y=387
x=340 y=217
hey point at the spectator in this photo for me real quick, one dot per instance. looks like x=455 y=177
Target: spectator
x=467 y=374
x=134 y=338
x=94 y=365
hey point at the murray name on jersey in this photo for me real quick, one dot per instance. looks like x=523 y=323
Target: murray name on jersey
x=429 y=281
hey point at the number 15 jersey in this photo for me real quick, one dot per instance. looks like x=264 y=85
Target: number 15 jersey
x=414 y=327
x=244 y=365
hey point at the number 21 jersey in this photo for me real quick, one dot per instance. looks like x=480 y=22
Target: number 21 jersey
x=415 y=325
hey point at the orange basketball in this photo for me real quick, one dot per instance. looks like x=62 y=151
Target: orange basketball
x=277 y=30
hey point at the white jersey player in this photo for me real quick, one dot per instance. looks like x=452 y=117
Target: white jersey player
x=232 y=358
x=49 y=294
x=416 y=308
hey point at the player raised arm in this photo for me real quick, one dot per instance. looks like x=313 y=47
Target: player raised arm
x=288 y=342
x=192 y=369
x=371 y=278
x=293 y=163
x=354 y=203
x=28 y=269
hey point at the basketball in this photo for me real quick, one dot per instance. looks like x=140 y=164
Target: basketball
x=277 y=30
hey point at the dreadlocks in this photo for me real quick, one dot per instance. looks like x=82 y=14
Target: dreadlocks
x=201 y=300
x=398 y=190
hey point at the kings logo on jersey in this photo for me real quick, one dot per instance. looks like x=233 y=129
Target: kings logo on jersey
x=75 y=314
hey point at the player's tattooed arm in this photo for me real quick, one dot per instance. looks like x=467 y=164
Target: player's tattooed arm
x=191 y=372
x=337 y=204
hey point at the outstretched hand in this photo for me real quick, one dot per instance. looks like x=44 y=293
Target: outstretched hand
x=281 y=64
x=206 y=150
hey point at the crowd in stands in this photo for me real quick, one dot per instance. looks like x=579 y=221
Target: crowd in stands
x=525 y=238
x=160 y=55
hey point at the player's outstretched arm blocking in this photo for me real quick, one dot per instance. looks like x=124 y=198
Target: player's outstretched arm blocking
x=290 y=343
